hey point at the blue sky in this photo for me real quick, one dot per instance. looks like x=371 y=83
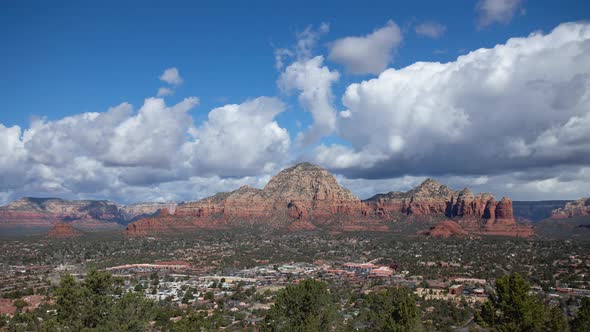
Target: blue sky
x=66 y=58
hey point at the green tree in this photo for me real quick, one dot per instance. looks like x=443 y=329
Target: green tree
x=131 y=312
x=307 y=306
x=20 y=304
x=391 y=310
x=513 y=308
x=582 y=320
x=556 y=321
x=188 y=295
x=69 y=301
x=193 y=322
x=98 y=298
x=96 y=304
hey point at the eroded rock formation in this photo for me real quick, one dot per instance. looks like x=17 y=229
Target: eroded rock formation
x=579 y=208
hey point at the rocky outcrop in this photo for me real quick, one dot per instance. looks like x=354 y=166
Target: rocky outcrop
x=446 y=228
x=476 y=214
x=579 y=208
x=434 y=199
x=63 y=230
x=429 y=198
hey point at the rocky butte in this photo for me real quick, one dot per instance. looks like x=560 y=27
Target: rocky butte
x=63 y=230
x=307 y=197
x=446 y=228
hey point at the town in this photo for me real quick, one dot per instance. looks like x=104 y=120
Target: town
x=239 y=278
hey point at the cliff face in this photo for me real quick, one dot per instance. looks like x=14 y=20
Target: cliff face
x=579 y=208
x=43 y=213
x=434 y=199
x=475 y=214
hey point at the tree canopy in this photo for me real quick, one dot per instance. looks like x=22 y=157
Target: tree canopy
x=514 y=308
x=307 y=306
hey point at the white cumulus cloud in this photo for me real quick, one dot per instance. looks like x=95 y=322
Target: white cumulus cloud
x=368 y=54
x=240 y=139
x=314 y=83
x=430 y=29
x=497 y=11
x=520 y=105
x=171 y=76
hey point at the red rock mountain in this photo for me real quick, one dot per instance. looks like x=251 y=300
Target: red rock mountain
x=579 y=208
x=43 y=213
x=477 y=214
x=63 y=230
x=307 y=197
x=303 y=197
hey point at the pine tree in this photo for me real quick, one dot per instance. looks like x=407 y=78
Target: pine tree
x=307 y=306
x=514 y=308
x=582 y=321
x=391 y=310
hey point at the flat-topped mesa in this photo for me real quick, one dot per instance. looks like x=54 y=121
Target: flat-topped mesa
x=578 y=208
x=45 y=212
x=29 y=213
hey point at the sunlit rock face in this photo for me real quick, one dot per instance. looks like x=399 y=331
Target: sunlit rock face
x=579 y=208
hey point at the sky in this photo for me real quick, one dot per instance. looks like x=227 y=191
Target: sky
x=179 y=100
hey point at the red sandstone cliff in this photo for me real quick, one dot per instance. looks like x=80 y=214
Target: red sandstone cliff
x=476 y=214
x=579 y=208
x=434 y=199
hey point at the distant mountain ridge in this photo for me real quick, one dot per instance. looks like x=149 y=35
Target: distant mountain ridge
x=536 y=210
x=304 y=197
x=44 y=213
